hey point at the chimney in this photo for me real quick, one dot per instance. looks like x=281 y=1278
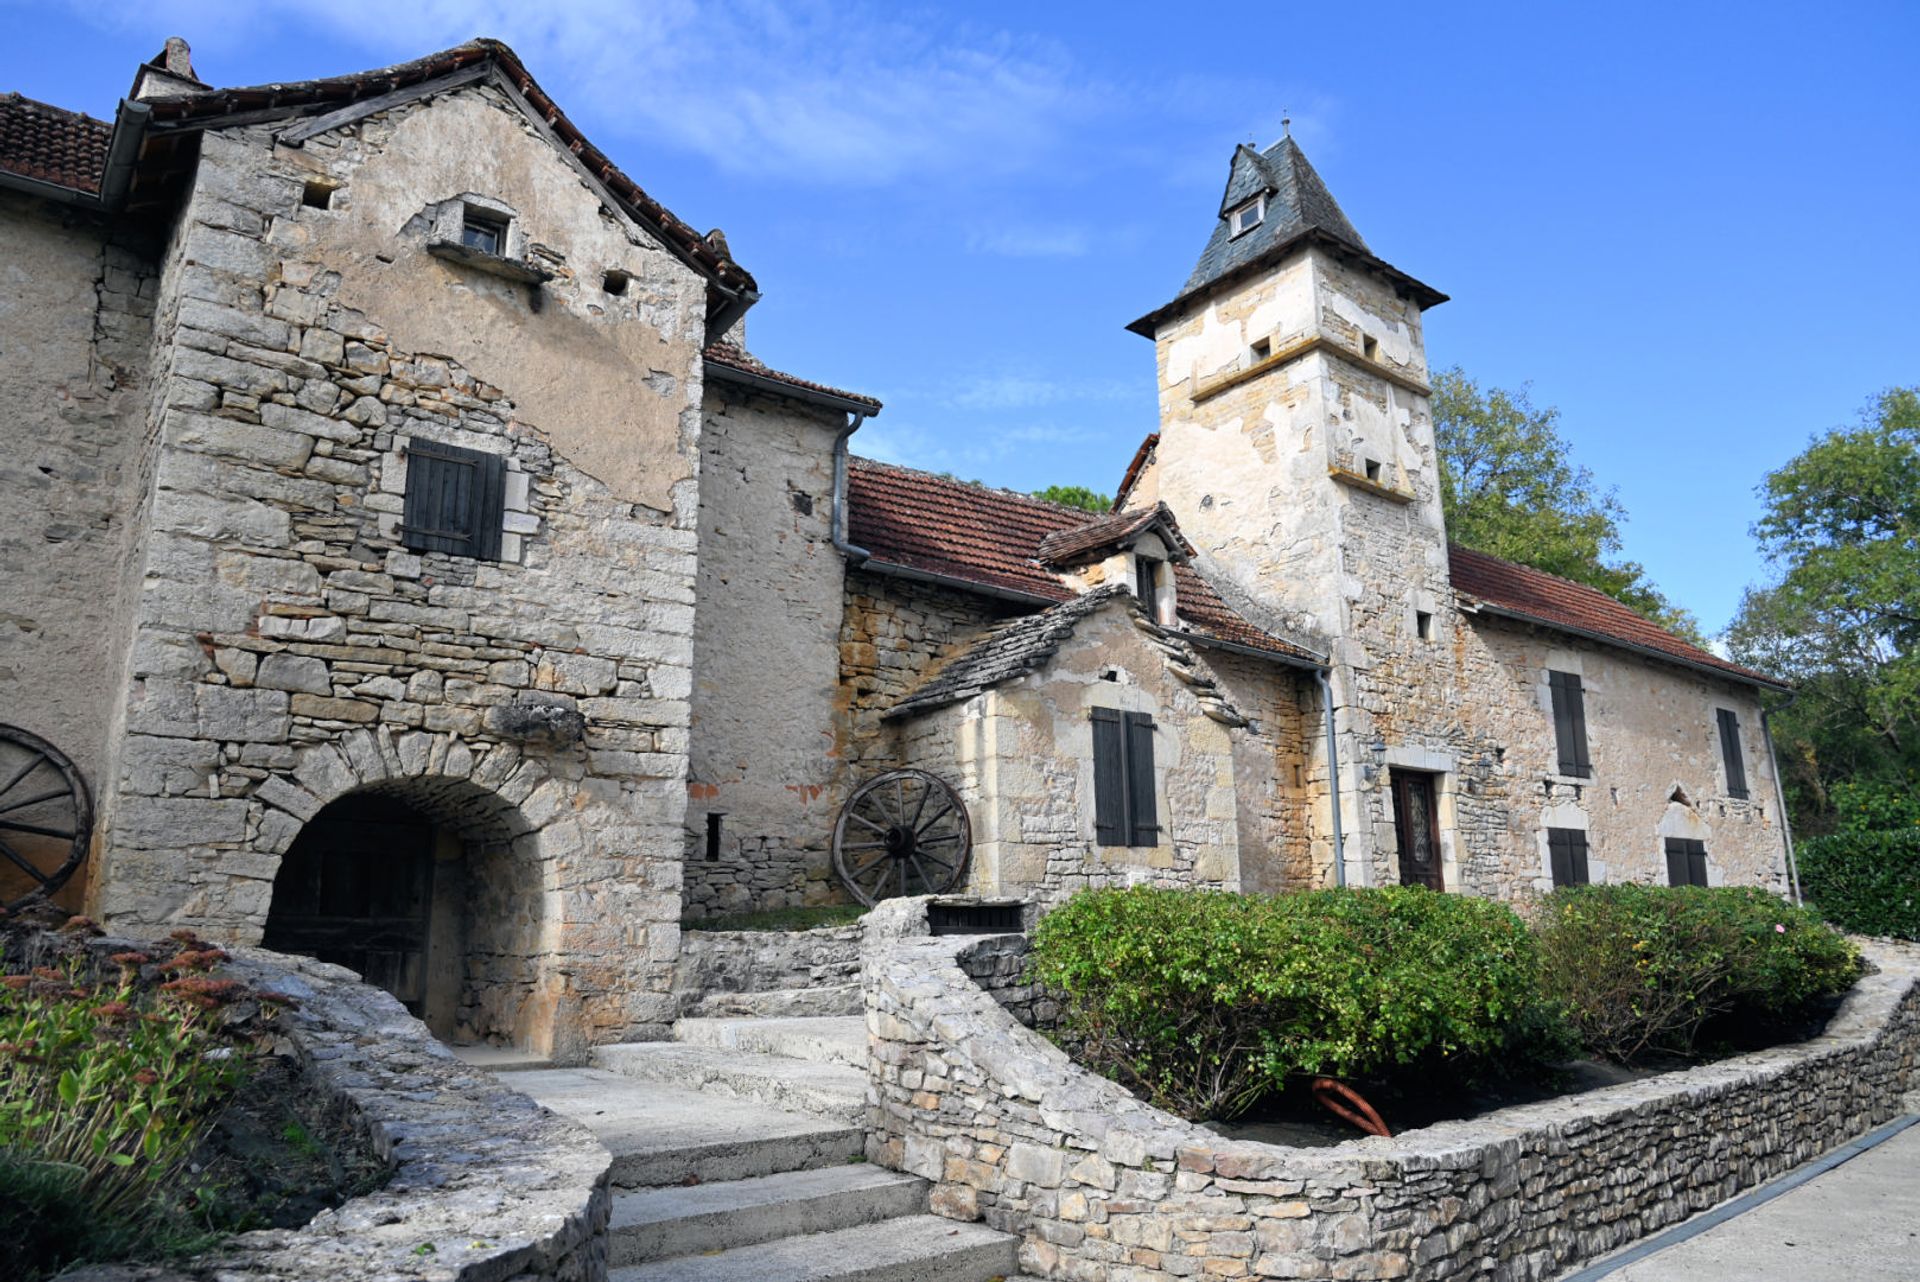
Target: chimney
x=168 y=74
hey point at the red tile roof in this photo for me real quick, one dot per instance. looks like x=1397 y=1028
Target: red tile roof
x=1140 y=458
x=975 y=535
x=738 y=358
x=51 y=144
x=1554 y=602
x=1105 y=531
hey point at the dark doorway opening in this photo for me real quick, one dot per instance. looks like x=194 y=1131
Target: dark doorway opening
x=1416 y=822
x=356 y=889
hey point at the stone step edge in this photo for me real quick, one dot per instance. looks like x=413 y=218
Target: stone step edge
x=929 y=1240
x=673 y=1221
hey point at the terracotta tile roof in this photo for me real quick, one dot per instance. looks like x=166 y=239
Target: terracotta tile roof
x=1554 y=602
x=51 y=144
x=1107 y=530
x=1141 y=457
x=739 y=359
x=310 y=97
x=972 y=534
x=1011 y=650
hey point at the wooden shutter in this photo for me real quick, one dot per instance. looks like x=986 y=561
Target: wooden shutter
x=1570 y=723
x=1567 y=850
x=1730 y=753
x=454 y=500
x=1143 y=820
x=1109 y=779
x=1686 y=862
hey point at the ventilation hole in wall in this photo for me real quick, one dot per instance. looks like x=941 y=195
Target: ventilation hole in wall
x=317 y=194
x=1261 y=350
x=802 y=502
x=1299 y=775
x=1373 y=469
x=615 y=282
x=1423 y=624
x=1370 y=348
x=1111 y=674
x=1680 y=795
x=713 y=838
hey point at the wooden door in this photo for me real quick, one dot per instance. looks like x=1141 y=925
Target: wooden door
x=356 y=888
x=1417 y=825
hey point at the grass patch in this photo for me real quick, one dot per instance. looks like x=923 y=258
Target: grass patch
x=782 y=918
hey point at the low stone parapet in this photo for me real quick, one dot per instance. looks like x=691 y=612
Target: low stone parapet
x=1103 y=1188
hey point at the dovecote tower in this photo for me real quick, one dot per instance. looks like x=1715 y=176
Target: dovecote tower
x=1296 y=442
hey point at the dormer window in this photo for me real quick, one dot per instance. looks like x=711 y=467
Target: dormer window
x=483 y=231
x=1244 y=218
x=1153 y=585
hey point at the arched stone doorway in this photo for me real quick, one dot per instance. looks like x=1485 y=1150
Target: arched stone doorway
x=430 y=888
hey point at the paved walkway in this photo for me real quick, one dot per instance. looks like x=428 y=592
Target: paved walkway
x=1858 y=1222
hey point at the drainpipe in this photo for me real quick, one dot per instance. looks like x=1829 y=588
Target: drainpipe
x=855 y=555
x=1333 y=778
x=1780 y=796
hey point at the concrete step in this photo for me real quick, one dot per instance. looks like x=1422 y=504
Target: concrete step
x=663 y=1133
x=781 y=1003
x=500 y=1059
x=837 y=1039
x=656 y=1224
x=916 y=1248
x=833 y=1091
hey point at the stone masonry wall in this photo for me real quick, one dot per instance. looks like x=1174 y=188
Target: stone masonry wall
x=76 y=306
x=766 y=657
x=288 y=649
x=1103 y=1188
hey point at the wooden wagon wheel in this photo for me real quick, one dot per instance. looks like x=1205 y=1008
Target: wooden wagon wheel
x=905 y=832
x=46 y=813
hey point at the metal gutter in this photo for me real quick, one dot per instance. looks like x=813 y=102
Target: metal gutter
x=1780 y=799
x=130 y=123
x=1601 y=638
x=1333 y=778
x=725 y=373
x=1236 y=647
x=894 y=570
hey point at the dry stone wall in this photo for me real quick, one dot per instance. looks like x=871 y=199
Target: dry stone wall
x=1102 y=1188
x=287 y=646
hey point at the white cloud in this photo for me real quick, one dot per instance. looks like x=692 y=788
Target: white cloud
x=1031 y=242
x=1016 y=392
x=841 y=93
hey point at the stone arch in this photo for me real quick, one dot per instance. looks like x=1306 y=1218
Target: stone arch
x=493 y=937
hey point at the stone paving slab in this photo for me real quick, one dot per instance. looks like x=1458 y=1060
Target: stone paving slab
x=834 y=1039
x=828 y=1090
x=656 y=1224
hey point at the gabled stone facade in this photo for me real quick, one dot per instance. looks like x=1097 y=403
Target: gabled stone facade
x=405 y=545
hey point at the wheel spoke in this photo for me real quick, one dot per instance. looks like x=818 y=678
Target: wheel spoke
x=924 y=842
x=866 y=823
x=877 y=859
x=62 y=791
x=21 y=773
x=864 y=845
x=900 y=798
x=924 y=879
x=946 y=808
x=25 y=865
x=12 y=825
x=936 y=859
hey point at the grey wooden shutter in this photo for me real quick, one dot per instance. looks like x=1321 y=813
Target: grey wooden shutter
x=1143 y=819
x=454 y=500
x=1109 y=779
x=1570 y=723
x=1730 y=753
x=1686 y=862
x=1567 y=851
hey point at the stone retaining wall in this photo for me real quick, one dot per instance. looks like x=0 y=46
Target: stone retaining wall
x=486 y=1184
x=714 y=962
x=1103 y=1188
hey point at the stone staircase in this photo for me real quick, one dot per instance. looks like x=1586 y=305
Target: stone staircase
x=738 y=1155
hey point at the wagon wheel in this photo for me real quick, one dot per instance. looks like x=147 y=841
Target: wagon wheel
x=905 y=832
x=46 y=814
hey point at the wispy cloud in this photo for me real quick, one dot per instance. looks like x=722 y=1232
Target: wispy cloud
x=1021 y=392
x=841 y=93
x=1032 y=242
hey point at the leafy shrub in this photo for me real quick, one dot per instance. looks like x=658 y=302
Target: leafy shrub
x=1875 y=805
x=1866 y=882
x=1202 y=1002
x=1640 y=969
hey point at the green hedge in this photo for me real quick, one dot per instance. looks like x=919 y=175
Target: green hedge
x=1641 y=969
x=1865 y=882
x=1202 y=1002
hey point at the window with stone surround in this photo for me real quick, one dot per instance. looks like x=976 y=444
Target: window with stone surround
x=1570 y=723
x=455 y=500
x=1567 y=854
x=1124 y=813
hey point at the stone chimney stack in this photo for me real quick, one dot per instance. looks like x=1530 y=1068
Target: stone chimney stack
x=168 y=74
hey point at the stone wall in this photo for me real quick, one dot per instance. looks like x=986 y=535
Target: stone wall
x=76 y=306
x=714 y=963
x=761 y=803
x=287 y=648
x=1103 y=1188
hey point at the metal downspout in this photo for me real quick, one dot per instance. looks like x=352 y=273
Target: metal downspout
x=1333 y=778
x=1780 y=799
x=855 y=555
x=123 y=151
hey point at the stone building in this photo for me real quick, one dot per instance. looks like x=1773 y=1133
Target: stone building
x=401 y=540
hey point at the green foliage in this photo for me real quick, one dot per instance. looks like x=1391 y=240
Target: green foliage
x=1865 y=882
x=1508 y=488
x=1076 y=496
x=1203 y=1002
x=1842 y=528
x=1642 y=969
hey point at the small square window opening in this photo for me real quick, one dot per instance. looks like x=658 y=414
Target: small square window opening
x=317 y=194
x=1370 y=347
x=1423 y=624
x=488 y=235
x=1373 y=469
x=615 y=282
x=713 y=837
x=1261 y=350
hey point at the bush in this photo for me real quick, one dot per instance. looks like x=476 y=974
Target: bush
x=1642 y=969
x=1865 y=882
x=1202 y=1002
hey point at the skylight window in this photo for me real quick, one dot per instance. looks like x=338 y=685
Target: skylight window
x=1244 y=218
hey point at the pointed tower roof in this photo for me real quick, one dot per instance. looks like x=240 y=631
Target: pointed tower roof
x=1284 y=205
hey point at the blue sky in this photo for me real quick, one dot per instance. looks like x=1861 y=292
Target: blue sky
x=1691 y=227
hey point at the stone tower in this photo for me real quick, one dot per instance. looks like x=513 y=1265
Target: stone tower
x=1296 y=445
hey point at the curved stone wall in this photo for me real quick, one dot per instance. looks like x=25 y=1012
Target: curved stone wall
x=1103 y=1188
x=486 y=1185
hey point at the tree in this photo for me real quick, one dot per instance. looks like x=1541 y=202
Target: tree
x=1842 y=527
x=1507 y=488
x=1075 y=496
